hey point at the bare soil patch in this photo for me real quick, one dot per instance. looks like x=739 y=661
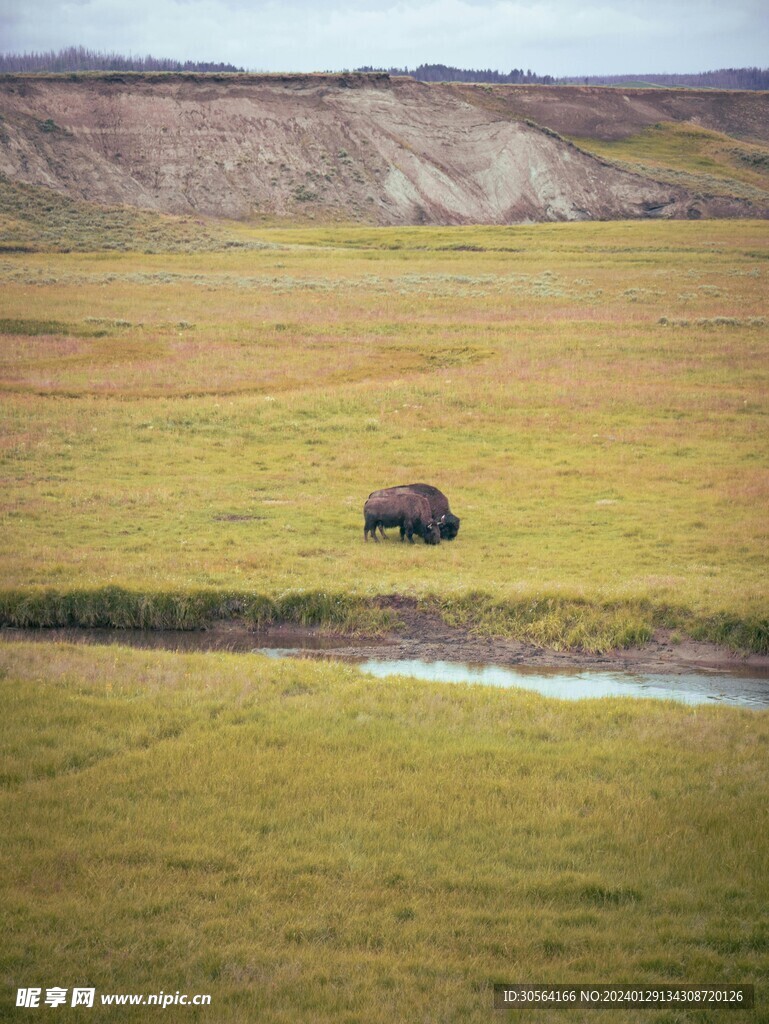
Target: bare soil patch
x=423 y=634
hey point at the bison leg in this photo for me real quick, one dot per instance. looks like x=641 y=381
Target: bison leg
x=381 y=531
x=370 y=528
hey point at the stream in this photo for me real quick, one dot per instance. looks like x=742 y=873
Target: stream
x=746 y=689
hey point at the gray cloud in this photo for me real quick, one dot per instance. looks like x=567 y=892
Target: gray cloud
x=550 y=36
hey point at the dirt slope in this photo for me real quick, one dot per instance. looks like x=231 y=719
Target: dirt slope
x=368 y=148
x=603 y=113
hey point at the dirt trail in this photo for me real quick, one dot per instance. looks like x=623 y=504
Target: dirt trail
x=355 y=147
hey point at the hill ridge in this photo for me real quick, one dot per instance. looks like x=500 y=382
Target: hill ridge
x=355 y=146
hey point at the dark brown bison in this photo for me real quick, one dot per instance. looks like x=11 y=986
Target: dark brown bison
x=409 y=511
x=448 y=523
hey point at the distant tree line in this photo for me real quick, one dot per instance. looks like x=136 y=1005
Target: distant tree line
x=725 y=78
x=445 y=73
x=78 y=58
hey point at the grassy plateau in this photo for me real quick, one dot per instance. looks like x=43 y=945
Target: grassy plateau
x=191 y=418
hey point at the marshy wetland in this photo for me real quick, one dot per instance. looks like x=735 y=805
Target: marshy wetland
x=188 y=437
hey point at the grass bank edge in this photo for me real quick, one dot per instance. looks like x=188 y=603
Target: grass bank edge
x=556 y=622
x=574 y=623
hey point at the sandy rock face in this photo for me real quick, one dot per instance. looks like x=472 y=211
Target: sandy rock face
x=368 y=148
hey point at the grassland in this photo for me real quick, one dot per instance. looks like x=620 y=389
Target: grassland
x=191 y=418
x=304 y=843
x=196 y=430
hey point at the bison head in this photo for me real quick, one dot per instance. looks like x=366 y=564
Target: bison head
x=448 y=525
x=432 y=533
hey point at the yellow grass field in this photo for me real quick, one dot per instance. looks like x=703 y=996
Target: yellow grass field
x=591 y=397
x=304 y=843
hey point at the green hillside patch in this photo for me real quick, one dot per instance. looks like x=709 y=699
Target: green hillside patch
x=697 y=158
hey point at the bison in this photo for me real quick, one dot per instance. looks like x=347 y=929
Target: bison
x=411 y=512
x=448 y=524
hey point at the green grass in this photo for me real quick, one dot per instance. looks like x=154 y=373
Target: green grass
x=591 y=397
x=32 y=328
x=579 y=624
x=555 y=622
x=120 y=608
x=305 y=843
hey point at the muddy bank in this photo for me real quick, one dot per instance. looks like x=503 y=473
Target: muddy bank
x=426 y=636
x=423 y=635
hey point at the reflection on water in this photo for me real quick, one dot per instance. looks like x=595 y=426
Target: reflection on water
x=692 y=688
x=235 y=641
x=689 y=688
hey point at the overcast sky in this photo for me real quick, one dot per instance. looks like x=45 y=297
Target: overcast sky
x=557 y=37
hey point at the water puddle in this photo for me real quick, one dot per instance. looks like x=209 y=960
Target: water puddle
x=746 y=690
x=687 y=688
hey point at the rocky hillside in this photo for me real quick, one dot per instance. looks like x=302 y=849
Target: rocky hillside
x=363 y=147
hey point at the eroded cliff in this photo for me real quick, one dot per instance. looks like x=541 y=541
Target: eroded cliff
x=361 y=147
